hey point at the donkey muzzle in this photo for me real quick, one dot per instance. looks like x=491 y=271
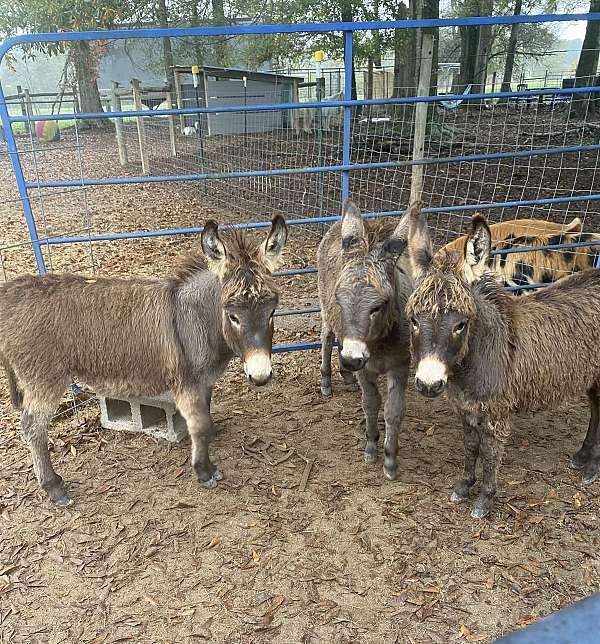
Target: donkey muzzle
x=354 y=354
x=431 y=377
x=258 y=368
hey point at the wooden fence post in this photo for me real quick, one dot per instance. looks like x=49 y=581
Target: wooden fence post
x=117 y=107
x=30 y=126
x=172 y=133
x=416 y=182
x=141 y=126
x=179 y=98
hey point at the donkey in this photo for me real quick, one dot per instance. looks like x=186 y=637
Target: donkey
x=141 y=337
x=363 y=290
x=495 y=354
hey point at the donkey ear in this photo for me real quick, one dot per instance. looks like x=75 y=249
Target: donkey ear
x=419 y=243
x=272 y=247
x=353 y=226
x=213 y=248
x=477 y=249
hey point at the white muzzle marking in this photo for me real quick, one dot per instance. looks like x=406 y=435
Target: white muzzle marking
x=354 y=349
x=258 y=366
x=431 y=370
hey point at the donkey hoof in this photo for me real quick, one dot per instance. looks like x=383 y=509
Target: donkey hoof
x=390 y=472
x=578 y=461
x=326 y=391
x=217 y=474
x=352 y=386
x=63 y=501
x=455 y=497
x=210 y=484
x=59 y=497
x=590 y=474
x=481 y=508
x=370 y=456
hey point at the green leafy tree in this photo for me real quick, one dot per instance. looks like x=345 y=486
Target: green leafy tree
x=67 y=15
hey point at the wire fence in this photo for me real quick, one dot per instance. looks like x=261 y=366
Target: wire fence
x=249 y=152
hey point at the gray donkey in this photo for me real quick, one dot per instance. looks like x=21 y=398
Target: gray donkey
x=495 y=354
x=141 y=337
x=364 y=283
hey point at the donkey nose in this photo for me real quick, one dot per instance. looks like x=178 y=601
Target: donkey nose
x=355 y=363
x=430 y=389
x=260 y=381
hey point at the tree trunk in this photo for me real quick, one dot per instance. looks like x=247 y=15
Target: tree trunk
x=221 y=48
x=431 y=10
x=587 y=66
x=469 y=38
x=348 y=16
x=484 y=43
x=87 y=86
x=163 y=21
x=511 y=51
x=198 y=53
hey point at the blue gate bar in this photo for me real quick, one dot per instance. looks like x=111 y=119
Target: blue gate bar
x=275 y=107
x=11 y=146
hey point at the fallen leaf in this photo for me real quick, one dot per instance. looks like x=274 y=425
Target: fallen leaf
x=255 y=556
x=465 y=631
x=577 y=500
x=214 y=542
x=73 y=450
x=525 y=621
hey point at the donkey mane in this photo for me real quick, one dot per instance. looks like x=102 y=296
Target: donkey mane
x=244 y=276
x=442 y=288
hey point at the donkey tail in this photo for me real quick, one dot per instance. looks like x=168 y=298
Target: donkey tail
x=16 y=393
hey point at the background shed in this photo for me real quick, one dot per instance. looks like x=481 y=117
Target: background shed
x=219 y=87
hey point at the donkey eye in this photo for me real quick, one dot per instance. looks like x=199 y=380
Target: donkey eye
x=234 y=319
x=414 y=323
x=375 y=309
x=459 y=328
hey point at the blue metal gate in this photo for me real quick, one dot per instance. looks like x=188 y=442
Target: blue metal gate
x=344 y=169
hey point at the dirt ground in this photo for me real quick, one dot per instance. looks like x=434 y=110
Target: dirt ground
x=302 y=541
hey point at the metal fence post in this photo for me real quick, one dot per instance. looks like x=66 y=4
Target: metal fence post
x=347 y=140
x=13 y=152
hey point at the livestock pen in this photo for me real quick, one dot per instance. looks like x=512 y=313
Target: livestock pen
x=302 y=541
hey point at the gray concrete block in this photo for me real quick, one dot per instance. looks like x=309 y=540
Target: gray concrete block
x=156 y=416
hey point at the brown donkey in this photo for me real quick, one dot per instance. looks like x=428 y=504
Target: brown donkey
x=495 y=354
x=141 y=337
x=363 y=291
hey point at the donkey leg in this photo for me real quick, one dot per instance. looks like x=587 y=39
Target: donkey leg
x=493 y=438
x=581 y=458
x=326 y=349
x=371 y=402
x=34 y=423
x=195 y=408
x=471 y=444
x=394 y=413
x=590 y=467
